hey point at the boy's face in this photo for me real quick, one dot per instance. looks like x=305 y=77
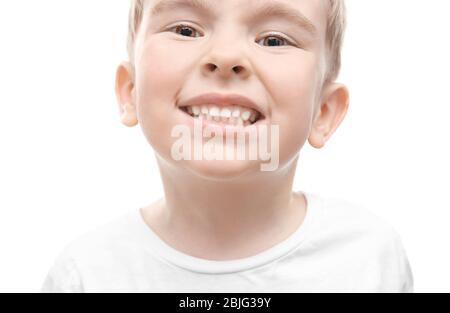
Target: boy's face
x=230 y=47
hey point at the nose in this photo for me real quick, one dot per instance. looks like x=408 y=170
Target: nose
x=226 y=63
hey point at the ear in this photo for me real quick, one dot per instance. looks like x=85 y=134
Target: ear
x=333 y=108
x=125 y=94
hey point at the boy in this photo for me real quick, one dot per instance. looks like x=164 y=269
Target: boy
x=234 y=69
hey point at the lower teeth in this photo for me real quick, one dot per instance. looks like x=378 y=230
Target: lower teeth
x=219 y=119
x=235 y=123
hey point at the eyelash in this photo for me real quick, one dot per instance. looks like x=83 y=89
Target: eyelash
x=271 y=35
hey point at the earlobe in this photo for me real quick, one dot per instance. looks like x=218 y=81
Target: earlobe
x=330 y=115
x=128 y=116
x=125 y=94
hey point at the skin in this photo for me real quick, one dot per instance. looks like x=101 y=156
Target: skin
x=210 y=206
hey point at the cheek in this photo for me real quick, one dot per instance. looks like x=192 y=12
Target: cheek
x=292 y=80
x=292 y=83
x=159 y=70
x=157 y=81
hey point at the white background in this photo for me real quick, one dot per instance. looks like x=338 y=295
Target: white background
x=67 y=165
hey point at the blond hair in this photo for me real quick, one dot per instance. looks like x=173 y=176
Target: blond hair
x=336 y=25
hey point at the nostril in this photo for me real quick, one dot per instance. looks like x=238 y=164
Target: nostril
x=211 y=67
x=237 y=69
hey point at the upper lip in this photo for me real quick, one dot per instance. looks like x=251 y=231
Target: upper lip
x=222 y=100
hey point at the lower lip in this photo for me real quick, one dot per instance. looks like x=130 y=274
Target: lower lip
x=220 y=127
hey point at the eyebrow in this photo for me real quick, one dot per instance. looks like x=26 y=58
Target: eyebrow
x=264 y=10
x=167 y=5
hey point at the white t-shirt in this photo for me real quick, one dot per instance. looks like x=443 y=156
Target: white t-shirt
x=339 y=247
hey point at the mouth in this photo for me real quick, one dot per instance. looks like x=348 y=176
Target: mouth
x=233 y=110
x=229 y=115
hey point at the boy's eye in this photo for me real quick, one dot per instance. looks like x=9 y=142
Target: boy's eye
x=272 y=40
x=275 y=41
x=184 y=30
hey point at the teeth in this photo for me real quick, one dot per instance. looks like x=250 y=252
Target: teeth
x=226 y=113
x=236 y=113
x=214 y=112
x=196 y=110
x=232 y=114
x=245 y=116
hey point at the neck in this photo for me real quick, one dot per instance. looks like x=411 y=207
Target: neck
x=224 y=212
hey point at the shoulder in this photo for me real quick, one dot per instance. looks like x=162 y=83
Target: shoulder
x=93 y=250
x=360 y=235
x=352 y=218
x=116 y=234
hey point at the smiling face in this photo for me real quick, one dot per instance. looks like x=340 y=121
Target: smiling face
x=270 y=52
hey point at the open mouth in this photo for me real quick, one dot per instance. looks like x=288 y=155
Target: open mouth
x=230 y=115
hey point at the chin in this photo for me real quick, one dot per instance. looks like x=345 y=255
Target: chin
x=223 y=170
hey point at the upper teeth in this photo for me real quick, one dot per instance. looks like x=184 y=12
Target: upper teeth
x=231 y=114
